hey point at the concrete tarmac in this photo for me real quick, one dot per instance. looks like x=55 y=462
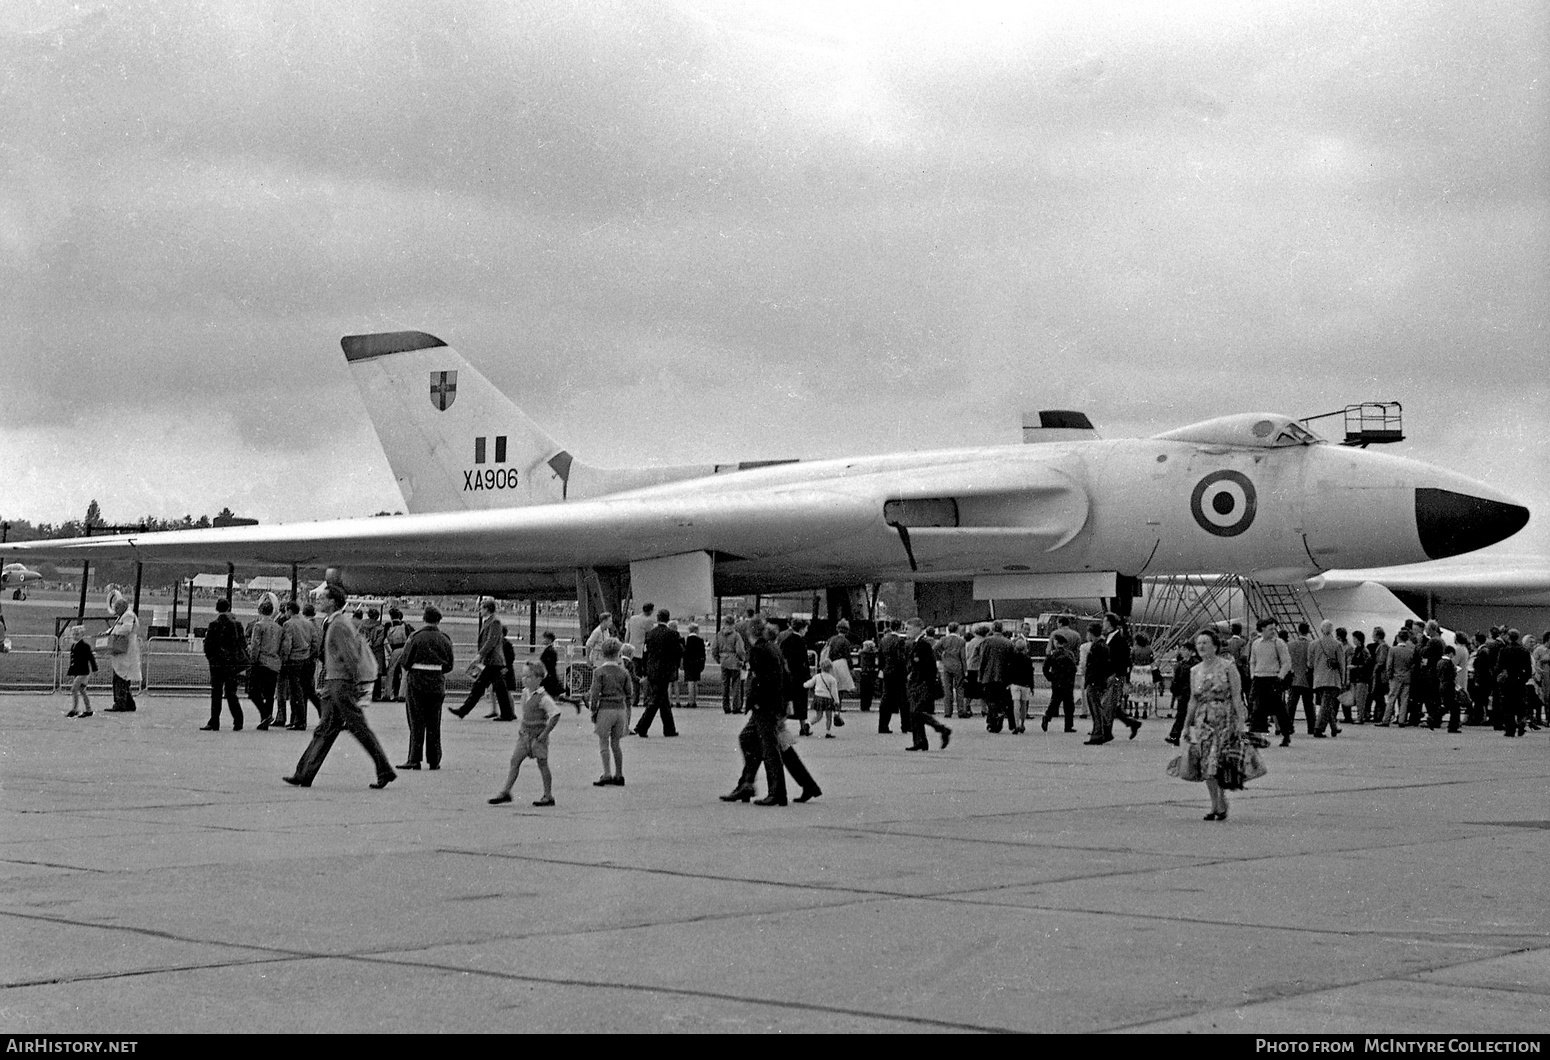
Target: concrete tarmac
x=161 y=879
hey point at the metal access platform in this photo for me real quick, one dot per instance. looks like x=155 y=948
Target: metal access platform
x=1369 y=423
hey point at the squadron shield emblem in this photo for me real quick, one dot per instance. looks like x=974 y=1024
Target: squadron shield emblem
x=443 y=390
x=1224 y=503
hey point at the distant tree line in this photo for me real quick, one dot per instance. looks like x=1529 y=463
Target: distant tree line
x=94 y=525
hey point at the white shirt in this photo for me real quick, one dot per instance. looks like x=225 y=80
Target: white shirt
x=127 y=665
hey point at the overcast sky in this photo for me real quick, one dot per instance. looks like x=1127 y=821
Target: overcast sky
x=690 y=230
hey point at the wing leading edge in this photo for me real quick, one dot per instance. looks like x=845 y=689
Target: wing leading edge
x=836 y=519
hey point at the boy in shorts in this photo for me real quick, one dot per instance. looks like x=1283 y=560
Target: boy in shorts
x=83 y=663
x=538 y=715
x=609 y=699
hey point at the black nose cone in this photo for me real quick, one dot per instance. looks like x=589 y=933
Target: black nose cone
x=1453 y=523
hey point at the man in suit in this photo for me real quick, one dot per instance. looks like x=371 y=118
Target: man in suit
x=223 y=650
x=297 y=649
x=921 y=686
x=1095 y=678
x=760 y=740
x=341 y=695
x=492 y=659
x=994 y=657
x=1060 y=671
x=951 y=649
x=664 y=651
x=1300 y=680
x=793 y=651
x=893 y=662
x=1117 y=694
x=1514 y=668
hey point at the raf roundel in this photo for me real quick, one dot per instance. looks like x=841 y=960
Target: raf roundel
x=1224 y=503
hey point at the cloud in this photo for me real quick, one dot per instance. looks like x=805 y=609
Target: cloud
x=788 y=228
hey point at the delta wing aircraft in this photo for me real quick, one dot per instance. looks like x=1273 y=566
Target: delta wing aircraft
x=497 y=506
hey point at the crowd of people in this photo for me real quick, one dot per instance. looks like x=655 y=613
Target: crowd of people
x=1422 y=678
x=777 y=670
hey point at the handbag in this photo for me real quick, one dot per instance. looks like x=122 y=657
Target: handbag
x=1240 y=763
x=1348 y=698
x=118 y=643
x=366 y=662
x=474 y=669
x=785 y=739
x=1186 y=764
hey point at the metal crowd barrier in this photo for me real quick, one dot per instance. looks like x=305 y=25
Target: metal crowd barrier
x=36 y=664
x=33 y=665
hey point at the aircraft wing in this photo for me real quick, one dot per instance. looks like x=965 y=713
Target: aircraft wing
x=580 y=534
x=743 y=516
x=1508 y=579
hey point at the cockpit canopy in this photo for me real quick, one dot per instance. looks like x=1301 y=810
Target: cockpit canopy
x=1258 y=430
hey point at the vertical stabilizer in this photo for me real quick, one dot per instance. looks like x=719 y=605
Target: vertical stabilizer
x=455 y=442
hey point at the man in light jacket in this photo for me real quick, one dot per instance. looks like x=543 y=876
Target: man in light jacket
x=1270 y=664
x=342 y=649
x=1324 y=659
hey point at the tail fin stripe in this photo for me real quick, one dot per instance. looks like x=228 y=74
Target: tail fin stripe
x=365 y=347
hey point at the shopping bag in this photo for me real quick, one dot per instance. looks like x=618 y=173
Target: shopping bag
x=784 y=737
x=1186 y=764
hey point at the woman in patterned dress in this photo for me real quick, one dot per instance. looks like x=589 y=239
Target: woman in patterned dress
x=1216 y=716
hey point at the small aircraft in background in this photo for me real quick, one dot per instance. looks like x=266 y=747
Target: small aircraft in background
x=15 y=576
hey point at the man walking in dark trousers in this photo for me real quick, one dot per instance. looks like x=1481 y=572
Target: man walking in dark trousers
x=1270 y=664
x=893 y=660
x=793 y=652
x=1096 y=683
x=760 y=738
x=492 y=659
x=426 y=662
x=922 y=684
x=664 y=651
x=994 y=659
x=1060 y=671
x=224 y=651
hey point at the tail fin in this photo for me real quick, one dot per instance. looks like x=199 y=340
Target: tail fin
x=455 y=442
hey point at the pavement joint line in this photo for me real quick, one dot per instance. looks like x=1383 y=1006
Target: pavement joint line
x=1270 y=996
x=382 y=958
x=1203 y=861
x=1002 y=842
x=97 y=810
x=653 y=870
x=56 y=865
x=289 y=954
x=278 y=953
x=711 y=995
x=959 y=897
x=65 y=980
x=603 y=929
x=1504 y=988
x=1408 y=937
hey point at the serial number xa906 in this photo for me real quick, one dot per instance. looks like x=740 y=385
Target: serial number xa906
x=495 y=478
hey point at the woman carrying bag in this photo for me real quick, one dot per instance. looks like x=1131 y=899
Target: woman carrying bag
x=1216 y=728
